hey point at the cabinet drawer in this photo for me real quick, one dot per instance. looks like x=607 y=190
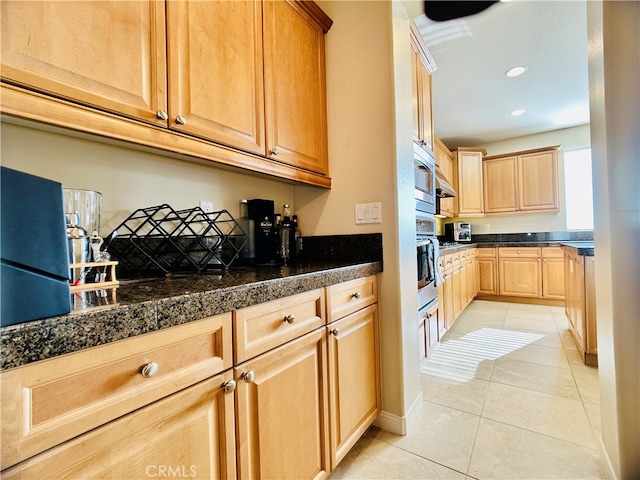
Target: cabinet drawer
x=552 y=252
x=143 y=444
x=261 y=327
x=533 y=252
x=49 y=402
x=348 y=297
x=486 y=252
x=447 y=261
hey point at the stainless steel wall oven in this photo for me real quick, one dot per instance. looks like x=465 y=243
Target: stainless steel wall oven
x=427 y=259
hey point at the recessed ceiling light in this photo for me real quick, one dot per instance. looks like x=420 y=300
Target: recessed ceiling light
x=517 y=113
x=515 y=71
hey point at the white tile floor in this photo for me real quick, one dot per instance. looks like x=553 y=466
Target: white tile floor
x=506 y=396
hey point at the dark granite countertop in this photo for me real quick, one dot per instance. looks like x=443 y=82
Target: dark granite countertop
x=146 y=305
x=446 y=249
x=585 y=248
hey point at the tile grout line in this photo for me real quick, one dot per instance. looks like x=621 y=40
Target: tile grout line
x=486 y=392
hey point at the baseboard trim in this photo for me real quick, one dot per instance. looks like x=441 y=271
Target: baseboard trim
x=527 y=300
x=400 y=425
x=606 y=462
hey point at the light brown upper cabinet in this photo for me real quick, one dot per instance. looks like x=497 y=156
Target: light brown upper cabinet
x=521 y=182
x=215 y=61
x=251 y=75
x=423 y=66
x=468 y=180
x=294 y=77
x=109 y=55
x=444 y=161
x=241 y=83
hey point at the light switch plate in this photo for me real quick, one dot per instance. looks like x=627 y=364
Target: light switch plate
x=368 y=213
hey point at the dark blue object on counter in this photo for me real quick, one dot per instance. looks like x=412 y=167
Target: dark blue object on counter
x=34 y=253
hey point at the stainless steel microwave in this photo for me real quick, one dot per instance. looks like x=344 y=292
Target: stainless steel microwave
x=425 y=180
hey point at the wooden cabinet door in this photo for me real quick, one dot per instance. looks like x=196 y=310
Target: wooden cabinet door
x=553 y=278
x=470 y=188
x=447 y=293
x=553 y=272
x=487 y=275
x=464 y=286
x=215 y=71
x=415 y=60
x=294 y=76
x=590 y=324
x=456 y=293
x=424 y=104
x=47 y=403
x=500 y=185
x=189 y=434
x=109 y=54
x=354 y=379
x=575 y=300
x=444 y=161
x=520 y=277
x=538 y=181
x=423 y=340
x=282 y=411
x=472 y=279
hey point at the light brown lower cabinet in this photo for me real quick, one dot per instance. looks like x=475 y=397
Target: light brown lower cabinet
x=535 y=272
x=189 y=434
x=553 y=273
x=460 y=286
x=47 y=403
x=430 y=329
x=487 y=271
x=456 y=291
x=173 y=404
x=520 y=277
x=580 y=305
x=354 y=379
x=282 y=411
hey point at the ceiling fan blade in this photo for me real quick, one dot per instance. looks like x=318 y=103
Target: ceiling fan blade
x=441 y=11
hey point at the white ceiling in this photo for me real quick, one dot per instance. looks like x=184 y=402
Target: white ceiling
x=472 y=98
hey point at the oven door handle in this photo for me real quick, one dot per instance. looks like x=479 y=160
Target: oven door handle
x=423 y=243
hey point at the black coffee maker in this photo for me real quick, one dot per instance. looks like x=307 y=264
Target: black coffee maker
x=262 y=213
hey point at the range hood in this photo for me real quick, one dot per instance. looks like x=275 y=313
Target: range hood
x=443 y=188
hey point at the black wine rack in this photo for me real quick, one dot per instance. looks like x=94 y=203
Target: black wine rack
x=161 y=239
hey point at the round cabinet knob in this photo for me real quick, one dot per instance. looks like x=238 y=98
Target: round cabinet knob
x=355 y=295
x=334 y=332
x=149 y=370
x=274 y=151
x=229 y=386
x=248 y=376
x=180 y=120
x=162 y=115
x=289 y=318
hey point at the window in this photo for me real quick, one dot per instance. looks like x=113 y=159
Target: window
x=578 y=189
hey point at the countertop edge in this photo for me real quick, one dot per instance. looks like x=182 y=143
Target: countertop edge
x=38 y=340
x=584 y=248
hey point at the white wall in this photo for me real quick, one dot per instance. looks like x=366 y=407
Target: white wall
x=614 y=79
x=570 y=139
x=130 y=179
